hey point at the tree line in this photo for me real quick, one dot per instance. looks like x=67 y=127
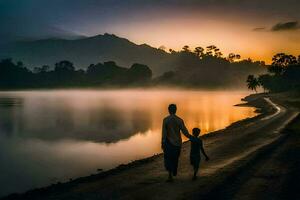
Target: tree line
x=208 y=67
x=283 y=75
x=16 y=75
x=201 y=67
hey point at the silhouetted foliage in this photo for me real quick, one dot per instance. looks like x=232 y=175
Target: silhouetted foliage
x=206 y=67
x=233 y=57
x=13 y=75
x=199 y=51
x=252 y=83
x=42 y=69
x=201 y=67
x=186 y=48
x=64 y=74
x=284 y=74
x=280 y=62
x=139 y=73
x=265 y=81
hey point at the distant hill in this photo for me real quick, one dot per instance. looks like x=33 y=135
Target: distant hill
x=90 y=50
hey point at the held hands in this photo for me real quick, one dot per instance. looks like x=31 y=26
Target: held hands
x=162 y=145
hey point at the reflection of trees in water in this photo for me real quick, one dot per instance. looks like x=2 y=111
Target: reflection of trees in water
x=64 y=121
x=99 y=124
x=10 y=102
x=115 y=124
x=141 y=120
x=8 y=124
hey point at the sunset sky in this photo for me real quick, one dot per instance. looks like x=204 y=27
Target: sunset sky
x=253 y=28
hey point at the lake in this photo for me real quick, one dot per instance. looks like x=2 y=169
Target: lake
x=51 y=136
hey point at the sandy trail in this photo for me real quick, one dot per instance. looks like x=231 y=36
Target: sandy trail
x=231 y=151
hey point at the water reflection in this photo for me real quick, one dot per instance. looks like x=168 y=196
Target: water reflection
x=73 y=133
x=71 y=117
x=10 y=102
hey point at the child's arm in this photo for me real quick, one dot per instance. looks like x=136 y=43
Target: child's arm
x=203 y=152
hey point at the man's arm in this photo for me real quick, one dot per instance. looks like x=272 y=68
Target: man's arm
x=184 y=130
x=163 y=134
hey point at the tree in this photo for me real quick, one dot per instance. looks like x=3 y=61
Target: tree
x=219 y=54
x=64 y=66
x=265 y=81
x=276 y=69
x=280 y=62
x=14 y=75
x=199 y=52
x=233 y=57
x=283 y=60
x=186 y=48
x=210 y=50
x=172 y=51
x=252 y=83
x=139 y=73
x=43 y=69
x=95 y=74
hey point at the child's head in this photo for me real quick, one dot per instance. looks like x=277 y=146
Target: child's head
x=196 y=132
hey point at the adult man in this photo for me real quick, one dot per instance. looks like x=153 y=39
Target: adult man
x=172 y=141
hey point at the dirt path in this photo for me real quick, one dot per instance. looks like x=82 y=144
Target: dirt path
x=272 y=172
x=239 y=167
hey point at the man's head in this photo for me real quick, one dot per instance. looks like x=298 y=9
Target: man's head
x=172 y=109
x=196 y=132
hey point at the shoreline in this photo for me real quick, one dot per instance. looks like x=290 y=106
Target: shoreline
x=262 y=107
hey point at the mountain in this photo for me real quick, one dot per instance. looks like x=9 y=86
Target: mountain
x=89 y=50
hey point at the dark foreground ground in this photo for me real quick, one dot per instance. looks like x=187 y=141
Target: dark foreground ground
x=257 y=158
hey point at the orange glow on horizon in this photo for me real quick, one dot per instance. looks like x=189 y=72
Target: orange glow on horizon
x=228 y=34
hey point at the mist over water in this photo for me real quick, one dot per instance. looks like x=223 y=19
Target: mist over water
x=50 y=136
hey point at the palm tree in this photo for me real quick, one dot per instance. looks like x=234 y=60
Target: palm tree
x=252 y=83
x=265 y=81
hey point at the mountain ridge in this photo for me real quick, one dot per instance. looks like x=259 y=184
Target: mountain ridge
x=89 y=50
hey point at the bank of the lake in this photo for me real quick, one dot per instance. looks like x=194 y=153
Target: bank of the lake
x=251 y=159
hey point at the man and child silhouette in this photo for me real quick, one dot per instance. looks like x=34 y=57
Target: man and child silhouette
x=172 y=141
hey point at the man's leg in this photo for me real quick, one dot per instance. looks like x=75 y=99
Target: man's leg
x=168 y=158
x=176 y=159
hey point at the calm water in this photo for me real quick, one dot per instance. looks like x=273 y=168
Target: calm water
x=50 y=136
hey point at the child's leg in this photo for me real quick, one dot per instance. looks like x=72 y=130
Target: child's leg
x=196 y=168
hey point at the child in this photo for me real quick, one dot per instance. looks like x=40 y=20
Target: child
x=196 y=147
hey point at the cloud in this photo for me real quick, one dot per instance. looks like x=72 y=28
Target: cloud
x=287 y=26
x=258 y=29
x=99 y=16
